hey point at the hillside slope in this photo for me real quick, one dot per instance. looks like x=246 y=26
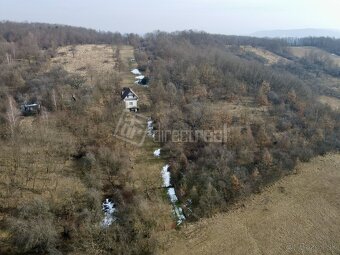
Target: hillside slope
x=298 y=215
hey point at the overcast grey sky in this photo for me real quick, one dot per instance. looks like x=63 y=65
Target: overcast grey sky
x=215 y=16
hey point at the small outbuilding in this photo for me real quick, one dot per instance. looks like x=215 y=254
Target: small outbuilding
x=30 y=109
x=130 y=99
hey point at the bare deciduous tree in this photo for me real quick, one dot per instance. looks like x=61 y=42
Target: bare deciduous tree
x=12 y=115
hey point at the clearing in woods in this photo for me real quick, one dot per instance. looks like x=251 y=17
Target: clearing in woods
x=86 y=59
x=146 y=169
x=300 y=214
x=269 y=56
x=333 y=102
x=301 y=52
x=126 y=54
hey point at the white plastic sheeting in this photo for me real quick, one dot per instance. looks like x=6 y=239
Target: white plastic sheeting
x=166 y=176
x=136 y=71
x=109 y=209
x=140 y=77
x=150 y=131
x=157 y=153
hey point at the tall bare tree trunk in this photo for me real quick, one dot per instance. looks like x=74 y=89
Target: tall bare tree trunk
x=54 y=99
x=9 y=58
x=12 y=115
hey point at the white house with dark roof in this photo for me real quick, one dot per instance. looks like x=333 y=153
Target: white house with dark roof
x=130 y=99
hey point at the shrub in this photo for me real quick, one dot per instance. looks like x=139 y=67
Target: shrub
x=33 y=229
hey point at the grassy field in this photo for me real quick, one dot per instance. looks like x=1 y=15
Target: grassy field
x=333 y=102
x=298 y=215
x=269 y=56
x=303 y=51
x=86 y=59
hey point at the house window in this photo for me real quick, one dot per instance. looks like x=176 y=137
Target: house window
x=130 y=103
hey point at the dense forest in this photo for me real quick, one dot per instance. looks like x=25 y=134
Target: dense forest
x=54 y=177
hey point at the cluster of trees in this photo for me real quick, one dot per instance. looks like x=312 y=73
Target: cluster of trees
x=20 y=41
x=331 y=45
x=189 y=77
x=49 y=36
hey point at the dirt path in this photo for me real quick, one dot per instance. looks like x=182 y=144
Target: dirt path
x=298 y=215
x=146 y=172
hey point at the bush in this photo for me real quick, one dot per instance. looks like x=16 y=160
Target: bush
x=33 y=229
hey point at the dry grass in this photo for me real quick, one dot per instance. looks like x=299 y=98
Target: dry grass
x=330 y=82
x=298 y=215
x=301 y=52
x=38 y=166
x=145 y=171
x=126 y=54
x=270 y=57
x=333 y=102
x=244 y=109
x=146 y=179
x=87 y=58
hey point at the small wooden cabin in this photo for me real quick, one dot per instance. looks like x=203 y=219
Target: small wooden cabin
x=130 y=99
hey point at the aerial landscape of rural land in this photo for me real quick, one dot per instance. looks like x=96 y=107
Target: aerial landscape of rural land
x=190 y=127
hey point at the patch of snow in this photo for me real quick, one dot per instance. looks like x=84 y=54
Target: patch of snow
x=178 y=212
x=172 y=195
x=136 y=71
x=166 y=176
x=140 y=77
x=150 y=131
x=157 y=153
x=109 y=209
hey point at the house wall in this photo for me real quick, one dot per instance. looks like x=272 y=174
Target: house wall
x=130 y=104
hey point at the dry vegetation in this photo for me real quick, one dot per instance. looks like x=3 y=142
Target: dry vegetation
x=86 y=59
x=245 y=109
x=68 y=161
x=298 y=215
x=128 y=79
x=333 y=102
x=269 y=56
x=60 y=165
x=301 y=52
x=146 y=169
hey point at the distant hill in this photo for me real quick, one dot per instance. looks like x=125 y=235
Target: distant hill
x=299 y=33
